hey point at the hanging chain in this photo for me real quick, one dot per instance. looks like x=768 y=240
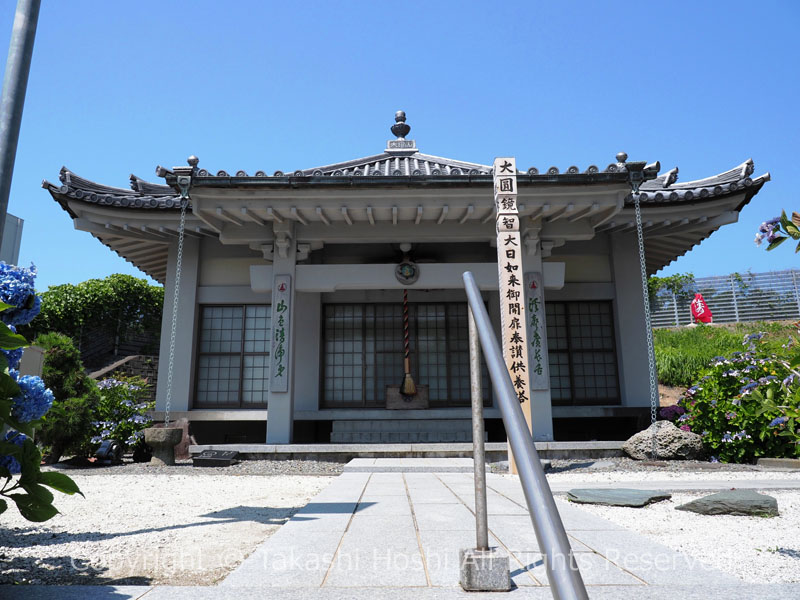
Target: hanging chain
x=651 y=363
x=177 y=286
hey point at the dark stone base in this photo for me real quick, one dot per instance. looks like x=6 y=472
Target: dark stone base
x=397 y=401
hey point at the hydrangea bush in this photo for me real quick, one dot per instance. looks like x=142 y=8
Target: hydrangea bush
x=122 y=411
x=23 y=401
x=745 y=406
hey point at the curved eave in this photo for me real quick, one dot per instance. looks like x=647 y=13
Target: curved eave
x=666 y=241
x=98 y=210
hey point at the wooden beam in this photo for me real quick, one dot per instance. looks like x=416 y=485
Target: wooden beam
x=253 y=217
x=467 y=214
x=322 y=216
x=445 y=210
x=346 y=216
x=222 y=214
x=370 y=216
x=297 y=216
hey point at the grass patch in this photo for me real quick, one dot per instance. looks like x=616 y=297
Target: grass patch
x=683 y=352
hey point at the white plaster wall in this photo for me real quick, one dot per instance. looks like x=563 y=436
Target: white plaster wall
x=307 y=350
x=226 y=265
x=629 y=322
x=183 y=370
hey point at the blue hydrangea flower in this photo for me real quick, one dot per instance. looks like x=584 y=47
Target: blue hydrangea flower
x=34 y=401
x=17 y=289
x=778 y=421
x=748 y=388
x=727 y=437
x=13 y=357
x=9 y=462
x=109 y=383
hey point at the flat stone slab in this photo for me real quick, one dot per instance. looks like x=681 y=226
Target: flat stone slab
x=745 y=503
x=617 y=497
x=779 y=463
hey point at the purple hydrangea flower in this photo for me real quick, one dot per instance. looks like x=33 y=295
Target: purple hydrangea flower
x=778 y=421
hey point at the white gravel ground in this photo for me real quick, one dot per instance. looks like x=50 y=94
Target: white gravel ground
x=179 y=529
x=666 y=475
x=755 y=549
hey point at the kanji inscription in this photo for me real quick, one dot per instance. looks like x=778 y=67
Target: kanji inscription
x=281 y=300
x=537 y=331
x=513 y=309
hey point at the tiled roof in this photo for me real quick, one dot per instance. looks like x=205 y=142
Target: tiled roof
x=665 y=189
x=142 y=194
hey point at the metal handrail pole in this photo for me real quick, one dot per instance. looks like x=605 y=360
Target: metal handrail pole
x=565 y=579
x=478 y=449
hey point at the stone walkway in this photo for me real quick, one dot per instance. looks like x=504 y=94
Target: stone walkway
x=397 y=534
x=405 y=529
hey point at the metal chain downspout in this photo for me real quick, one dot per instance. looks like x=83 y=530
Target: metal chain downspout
x=651 y=363
x=177 y=287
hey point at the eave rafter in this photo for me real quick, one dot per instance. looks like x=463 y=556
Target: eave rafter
x=387 y=200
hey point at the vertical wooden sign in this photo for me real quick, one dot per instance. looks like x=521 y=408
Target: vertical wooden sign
x=537 y=331
x=281 y=299
x=513 y=313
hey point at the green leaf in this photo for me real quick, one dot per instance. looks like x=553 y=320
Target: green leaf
x=29 y=460
x=793 y=231
x=10 y=340
x=797 y=248
x=40 y=493
x=4 y=306
x=31 y=509
x=785 y=222
x=777 y=242
x=60 y=482
x=8 y=387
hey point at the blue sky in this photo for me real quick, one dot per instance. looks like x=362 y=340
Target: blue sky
x=120 y=87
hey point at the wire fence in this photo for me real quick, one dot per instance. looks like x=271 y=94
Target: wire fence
x=771 y=296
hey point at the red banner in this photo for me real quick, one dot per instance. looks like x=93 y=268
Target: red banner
x=700 y=311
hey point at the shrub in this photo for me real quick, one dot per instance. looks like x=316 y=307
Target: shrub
x=67 y=428
x=682 y=354
x=742 y=405
x=122 y=411
x=24 y=400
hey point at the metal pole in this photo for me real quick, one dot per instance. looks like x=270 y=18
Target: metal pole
x=479 y=454
x=15 y=83
x=735 y=301
x=675 y=309
x=562 y=570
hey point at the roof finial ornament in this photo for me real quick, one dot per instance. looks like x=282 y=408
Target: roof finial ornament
x=622 y=157
x=193 y=160
x=400 y=128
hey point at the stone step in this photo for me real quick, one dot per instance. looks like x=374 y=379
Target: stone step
x=402 y=425
x=399 y=437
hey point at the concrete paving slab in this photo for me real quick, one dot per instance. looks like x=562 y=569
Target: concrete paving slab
x=293 y=560
x=384 y=505
x=595 y=569
x=436 y=517
x=610 y=592
x=440 y=549
x=652 y=562
x=73 y=592
x=517 y=534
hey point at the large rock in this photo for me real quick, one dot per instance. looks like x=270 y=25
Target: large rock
x=734 y=502
x=671 y=443
x=617 y=497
